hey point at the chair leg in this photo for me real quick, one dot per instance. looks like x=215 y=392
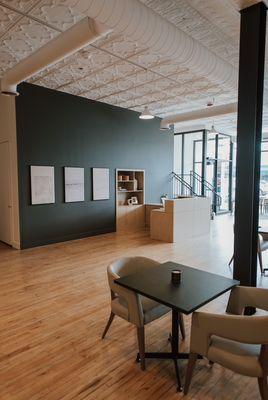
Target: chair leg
x=182 y=327
x=110 y=320
x=230 y=262
x=211 y=363
x=263 y=388
x=141 y=343
x=189 y=372
x=260 y=261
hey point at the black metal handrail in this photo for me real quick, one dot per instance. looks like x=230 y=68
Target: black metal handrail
x=206 y=185
x=196 y=181
x=183 y=182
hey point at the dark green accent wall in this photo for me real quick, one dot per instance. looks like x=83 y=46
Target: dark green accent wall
x=60 y=129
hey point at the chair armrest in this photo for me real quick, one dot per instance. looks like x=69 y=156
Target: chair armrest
x=243 y=329
x=243 y=296
x=264 y=235
x=133 y=300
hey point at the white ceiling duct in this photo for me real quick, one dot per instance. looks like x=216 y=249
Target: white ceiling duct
x=141 y=24
x=198 y=114
x=79 y=35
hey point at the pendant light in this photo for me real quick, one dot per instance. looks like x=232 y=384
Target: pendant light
x=146 y=114
x=213 y=130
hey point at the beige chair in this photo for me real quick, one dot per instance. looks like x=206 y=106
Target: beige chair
x=262 y=246
x=127 y=304
x=233 y=340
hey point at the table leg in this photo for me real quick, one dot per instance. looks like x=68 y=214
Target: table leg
x=175 y=345
x=174 y=355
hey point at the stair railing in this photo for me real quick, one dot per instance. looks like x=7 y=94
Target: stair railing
x=181 y=187
x=206 y=187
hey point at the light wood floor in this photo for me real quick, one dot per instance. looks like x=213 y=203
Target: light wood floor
x=54 y=304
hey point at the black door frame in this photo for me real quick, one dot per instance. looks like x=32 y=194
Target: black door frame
x=204 y=141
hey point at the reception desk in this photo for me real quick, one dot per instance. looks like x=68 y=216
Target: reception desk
x=181 y=219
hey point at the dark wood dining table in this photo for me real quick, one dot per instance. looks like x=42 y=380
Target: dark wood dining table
x=196 y=289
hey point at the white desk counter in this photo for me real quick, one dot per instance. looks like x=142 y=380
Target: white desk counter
x=181 y=219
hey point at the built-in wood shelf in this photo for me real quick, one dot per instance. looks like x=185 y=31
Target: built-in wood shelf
x=130 y=216
x=129 y=191
x=132 y=180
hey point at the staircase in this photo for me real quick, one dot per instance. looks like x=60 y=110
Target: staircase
x=194 y=185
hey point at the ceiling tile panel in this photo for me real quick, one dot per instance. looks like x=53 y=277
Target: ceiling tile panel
x=47 y=71
x=21 y=5
x=7 y=19
x=7 y=61
x=78 y=65
x=167 y=68
x=148 y=59
x=120 y=98
x=79 y=87
x=122 y=46
x=49 y=82
x=26 y=37
x=57 y=13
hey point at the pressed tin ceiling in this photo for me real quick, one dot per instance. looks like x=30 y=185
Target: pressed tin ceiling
x=119 y=71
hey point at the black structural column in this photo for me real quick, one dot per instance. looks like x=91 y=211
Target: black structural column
x=249 y=131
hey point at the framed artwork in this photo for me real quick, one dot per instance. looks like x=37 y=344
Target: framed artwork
x=74 y=184
x=42 y=185
x=100 y=183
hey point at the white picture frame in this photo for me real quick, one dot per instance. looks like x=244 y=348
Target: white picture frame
x=101 y=183
x=74 y=184
x=42 y=184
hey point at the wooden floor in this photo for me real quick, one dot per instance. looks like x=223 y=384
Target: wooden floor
x=54 y=304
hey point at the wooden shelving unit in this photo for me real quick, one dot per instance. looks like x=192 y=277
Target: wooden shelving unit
x=130 y=183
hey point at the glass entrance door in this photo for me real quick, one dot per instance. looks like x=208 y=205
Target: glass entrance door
x=218 y=170
x=224 y=175
x=206 y=166
x=223 y=183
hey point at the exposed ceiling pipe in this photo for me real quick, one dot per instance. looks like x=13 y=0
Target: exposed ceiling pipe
x=141 y=24
x=198 y=114
x=79 y=35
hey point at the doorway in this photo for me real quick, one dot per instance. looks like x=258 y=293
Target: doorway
x=207 y=166
x=5 y=194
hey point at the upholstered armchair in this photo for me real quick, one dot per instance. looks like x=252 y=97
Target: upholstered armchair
x=127 y=304
x=233 y=340
x=262 y=246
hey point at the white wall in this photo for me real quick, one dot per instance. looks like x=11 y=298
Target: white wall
x=189 y=150
x=8 y=134
x=177 y=153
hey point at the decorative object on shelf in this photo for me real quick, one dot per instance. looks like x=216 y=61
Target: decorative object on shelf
x=42 y=185
x=74 y=184
x=163 y=199
x=146 y=114
x=134 y=200
x=120 y=177
x=176 y=276
x=101 y=183
x=125 y=178
x=129 y=202
x=135 y=184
